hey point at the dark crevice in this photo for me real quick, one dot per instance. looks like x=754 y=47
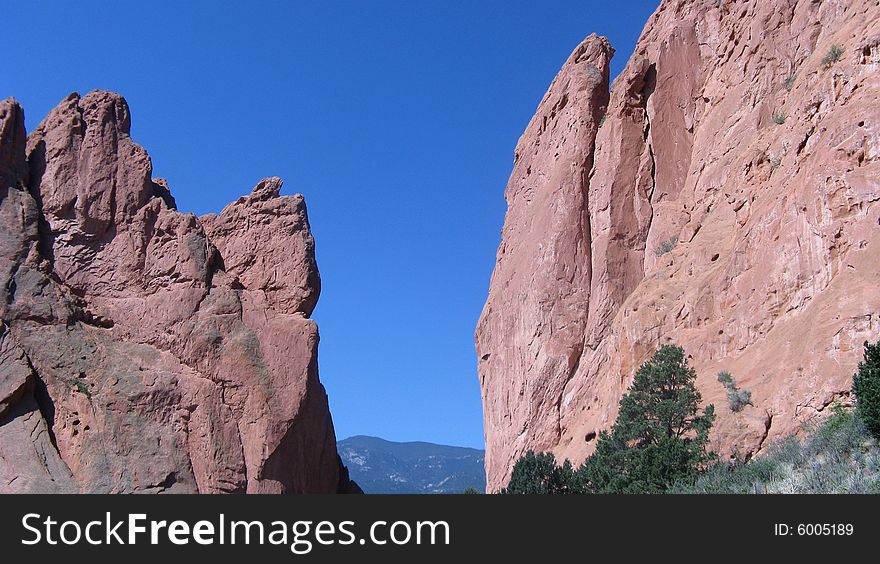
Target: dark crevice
x=11 y=286
x=89 y=318
x=169 y=481
x=215 y=263
x=572 y=371
x=648 y=89
x=161 y=190
x=650 y=147
x=46 y=404
x=768 y=422
x=649 y=84
x=36 y=169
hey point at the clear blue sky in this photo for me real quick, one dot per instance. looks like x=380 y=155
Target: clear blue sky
x=397 y=120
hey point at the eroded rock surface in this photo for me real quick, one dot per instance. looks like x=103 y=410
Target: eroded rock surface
x=723 y=197
x=143 y=349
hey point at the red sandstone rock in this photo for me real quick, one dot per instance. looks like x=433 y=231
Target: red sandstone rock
x=772 y=275
x=142 y=349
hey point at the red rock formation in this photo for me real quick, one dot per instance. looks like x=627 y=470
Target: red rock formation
x=727 y=201
x=143 y=349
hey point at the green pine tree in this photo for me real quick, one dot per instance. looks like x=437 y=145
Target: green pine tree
x=537 y=473
x=866 y=388
x=660 y=436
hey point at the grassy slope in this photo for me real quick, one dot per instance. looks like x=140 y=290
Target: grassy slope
x=839 y=456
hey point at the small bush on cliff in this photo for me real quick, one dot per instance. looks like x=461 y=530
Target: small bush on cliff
x=537 y=473
x=666 y=246
x=660 y=436
x=789 y=82
x=726 y=379
x=80 y=386
x=779 y=118
x=737 y=399
x=834 y=54
x=866 y=388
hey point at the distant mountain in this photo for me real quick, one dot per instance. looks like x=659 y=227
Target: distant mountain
x=380 y=466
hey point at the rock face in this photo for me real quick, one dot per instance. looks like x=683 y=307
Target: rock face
x=143 y=349
x=723 y=197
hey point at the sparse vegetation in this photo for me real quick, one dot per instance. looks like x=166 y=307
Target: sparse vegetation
x=779 y=118
x=737 y=399
x=866 y=388
x=80 y=386
x=472 y=491
x=834 y=54
x=666 y=246
x=839 y=456
x=789 y=82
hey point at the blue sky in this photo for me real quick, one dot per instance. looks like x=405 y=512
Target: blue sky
x=396 y=119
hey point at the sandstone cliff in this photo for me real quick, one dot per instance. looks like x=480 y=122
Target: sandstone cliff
x=143 y=349
x=723 y=196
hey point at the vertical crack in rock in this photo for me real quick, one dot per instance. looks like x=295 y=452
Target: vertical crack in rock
x=768 y=423
x=545 y=258
x=649 y=84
